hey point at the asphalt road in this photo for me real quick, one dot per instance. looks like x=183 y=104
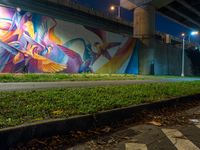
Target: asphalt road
x=48 y=85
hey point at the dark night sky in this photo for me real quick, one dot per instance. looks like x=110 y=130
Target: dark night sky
x=163 y=24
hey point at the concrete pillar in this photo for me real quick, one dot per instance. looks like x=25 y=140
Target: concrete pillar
x=144 y=29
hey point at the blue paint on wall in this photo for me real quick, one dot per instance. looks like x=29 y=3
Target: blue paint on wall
x=133 y=65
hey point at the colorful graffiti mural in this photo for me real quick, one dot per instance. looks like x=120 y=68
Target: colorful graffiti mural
x=32 y=43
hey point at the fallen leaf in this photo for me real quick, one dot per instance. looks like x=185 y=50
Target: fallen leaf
x=194 y=120
x=111 y=141
x=180 y=137
x=155 y=123
x=57 y=112
x=106 y=129
x=37 y=119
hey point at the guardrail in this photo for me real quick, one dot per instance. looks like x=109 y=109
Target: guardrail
x=174 y=40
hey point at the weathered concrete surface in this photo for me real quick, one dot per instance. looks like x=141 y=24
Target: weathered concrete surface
x=168 y=60
x=144 y=21
x=144 y=29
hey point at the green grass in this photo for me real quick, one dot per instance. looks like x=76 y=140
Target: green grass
x=60 y=77
x=29 y=106
x=76 y=77
x=68 y=77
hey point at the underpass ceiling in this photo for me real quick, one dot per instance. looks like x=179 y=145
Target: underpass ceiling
x=186 y=12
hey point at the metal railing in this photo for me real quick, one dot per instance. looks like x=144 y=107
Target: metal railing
x=177 y=41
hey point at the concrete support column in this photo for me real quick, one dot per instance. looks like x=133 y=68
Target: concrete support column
x=144 y=29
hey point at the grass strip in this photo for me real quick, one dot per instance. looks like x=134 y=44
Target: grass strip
x=29 y=106
x=69 y=77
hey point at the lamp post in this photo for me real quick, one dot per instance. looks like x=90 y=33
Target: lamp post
x=183 y=56
x=113 y=8
x=193 y=33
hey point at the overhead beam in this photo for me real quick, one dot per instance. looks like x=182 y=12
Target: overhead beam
x=186 y=5
x=127 y=4
x=140 y=2
x=174 y=20
x=161 y=3
x=183 y=15
x=132 y=4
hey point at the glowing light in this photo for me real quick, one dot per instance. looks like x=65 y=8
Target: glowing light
x=18 y=9
x=183 y=34
x=112 y=8
x=194 y=33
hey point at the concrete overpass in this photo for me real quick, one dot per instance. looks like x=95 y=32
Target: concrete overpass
x=183 y=11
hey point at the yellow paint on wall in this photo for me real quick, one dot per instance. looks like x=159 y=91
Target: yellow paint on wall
x=29 y=28
x=117 y=61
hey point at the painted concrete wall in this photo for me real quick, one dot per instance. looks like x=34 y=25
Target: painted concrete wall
x=33 y=43
x=168 y=60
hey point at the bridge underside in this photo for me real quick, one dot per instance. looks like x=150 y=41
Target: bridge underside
x=186 y=12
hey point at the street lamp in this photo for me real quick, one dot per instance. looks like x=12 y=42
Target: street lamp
x=193 y=33
x=183 y=55
x=114 y=7
x=18 y=9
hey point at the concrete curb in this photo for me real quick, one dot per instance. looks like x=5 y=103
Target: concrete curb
x=9 y=137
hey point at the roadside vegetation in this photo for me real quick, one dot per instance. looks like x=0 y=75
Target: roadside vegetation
x=30 y=106
x=75 y=77
x=65 y=77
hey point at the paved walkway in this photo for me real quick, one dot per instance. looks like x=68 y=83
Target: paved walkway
x=47 y=85
x=152 y=137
